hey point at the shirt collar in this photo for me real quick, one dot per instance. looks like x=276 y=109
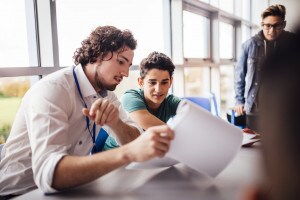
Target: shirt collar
x=84 y=83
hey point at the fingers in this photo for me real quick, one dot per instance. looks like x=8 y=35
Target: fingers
x=163 y=131
x=101 y=112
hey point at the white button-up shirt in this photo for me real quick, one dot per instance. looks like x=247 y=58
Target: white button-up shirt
x=49 y=125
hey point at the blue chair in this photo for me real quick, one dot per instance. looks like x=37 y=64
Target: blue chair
x=205 y=102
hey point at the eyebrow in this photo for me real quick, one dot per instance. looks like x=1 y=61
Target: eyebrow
x=125 y=58
x=167 y=79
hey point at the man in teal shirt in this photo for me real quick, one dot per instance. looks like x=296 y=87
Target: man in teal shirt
x=151 y=105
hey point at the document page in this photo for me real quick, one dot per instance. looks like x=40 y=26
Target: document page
x=202 y=141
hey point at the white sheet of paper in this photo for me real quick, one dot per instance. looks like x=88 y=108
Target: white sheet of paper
x=203 y=141
x=153 y=163
x=249 y=138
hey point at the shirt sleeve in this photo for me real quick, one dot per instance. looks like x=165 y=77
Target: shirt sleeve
x=133 y=100
x=47 y=124
x=173 y=101
x=240 y=74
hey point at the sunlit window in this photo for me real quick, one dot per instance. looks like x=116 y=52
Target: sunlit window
x=245 y=33
x=77 y=18
x=226 y=88
x=12 y=90
x=215 y=3
x=195 y=35
x=13 y=34
x=246 y=9
x=197 y=81
x=226 y=40
x=130 y=82
x=227 y=5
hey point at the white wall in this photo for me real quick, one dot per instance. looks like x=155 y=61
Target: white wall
x=292 y=11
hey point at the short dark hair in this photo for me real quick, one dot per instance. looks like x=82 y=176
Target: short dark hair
x=100 y=42
x=274 y=10
x=156 y=60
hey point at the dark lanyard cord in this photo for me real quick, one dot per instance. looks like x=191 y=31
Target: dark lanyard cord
x=93 y=135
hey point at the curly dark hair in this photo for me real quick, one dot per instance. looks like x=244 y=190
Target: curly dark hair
x=103 y=40
x=156 y=60
x=274 y=10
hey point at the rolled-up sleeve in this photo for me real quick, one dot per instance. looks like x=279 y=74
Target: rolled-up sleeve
x=47 y=127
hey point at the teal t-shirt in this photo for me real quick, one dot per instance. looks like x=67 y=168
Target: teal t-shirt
x=134 y=100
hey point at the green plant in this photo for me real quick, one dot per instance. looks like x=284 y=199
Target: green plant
x=4 y=132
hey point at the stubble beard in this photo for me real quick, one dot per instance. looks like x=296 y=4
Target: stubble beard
x=101 y=83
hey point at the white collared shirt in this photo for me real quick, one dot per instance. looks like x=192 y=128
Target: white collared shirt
x=48 y=125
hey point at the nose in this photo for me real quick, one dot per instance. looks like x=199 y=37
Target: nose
x=125 y=72
x=158 y=87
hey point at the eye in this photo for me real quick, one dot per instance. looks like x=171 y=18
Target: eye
x=165 y=82
x=121 y=62
x=152 y=82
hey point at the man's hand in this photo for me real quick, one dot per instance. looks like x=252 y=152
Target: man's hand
x=155 y=142
x=102 y=112
x=239 y=109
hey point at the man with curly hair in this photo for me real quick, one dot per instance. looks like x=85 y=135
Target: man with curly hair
x=61 y=116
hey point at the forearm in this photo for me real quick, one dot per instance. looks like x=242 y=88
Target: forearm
x=125 y=133
x=73 y=171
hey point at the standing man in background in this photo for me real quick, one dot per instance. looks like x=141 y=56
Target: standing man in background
x=254 y=52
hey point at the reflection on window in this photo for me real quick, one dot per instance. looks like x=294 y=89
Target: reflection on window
x=143 y=17
x=11 y=92
x=130 y=82
x=226 y=88
x=227 y=5
x=13 y=40
x=197 y=80
x=226 y=40
x=195 y=35
x=245 y=33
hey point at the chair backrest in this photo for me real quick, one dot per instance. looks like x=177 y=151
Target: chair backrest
x=201 y=101
x=1 y=146
x=205 y=102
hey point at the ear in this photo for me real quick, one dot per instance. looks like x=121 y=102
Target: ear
x=284 y=24
x=140 y=82
x=171 y=81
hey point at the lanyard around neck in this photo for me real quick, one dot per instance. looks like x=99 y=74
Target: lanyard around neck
x=87 y=119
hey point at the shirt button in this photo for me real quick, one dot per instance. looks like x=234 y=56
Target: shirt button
x=252 y=95
x=80 y=142
x=255 y=83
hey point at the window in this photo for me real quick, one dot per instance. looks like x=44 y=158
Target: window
x=13 y=40
x=195 y=35
x=12 y=90
x=226 y=41
x=197 y=81
x=130 y=82
x=226 y=88
x=246 y=8
x=148 y=21
x=227 y=5
x=245 y=33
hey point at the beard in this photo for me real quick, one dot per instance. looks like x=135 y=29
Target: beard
x=100 y=82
